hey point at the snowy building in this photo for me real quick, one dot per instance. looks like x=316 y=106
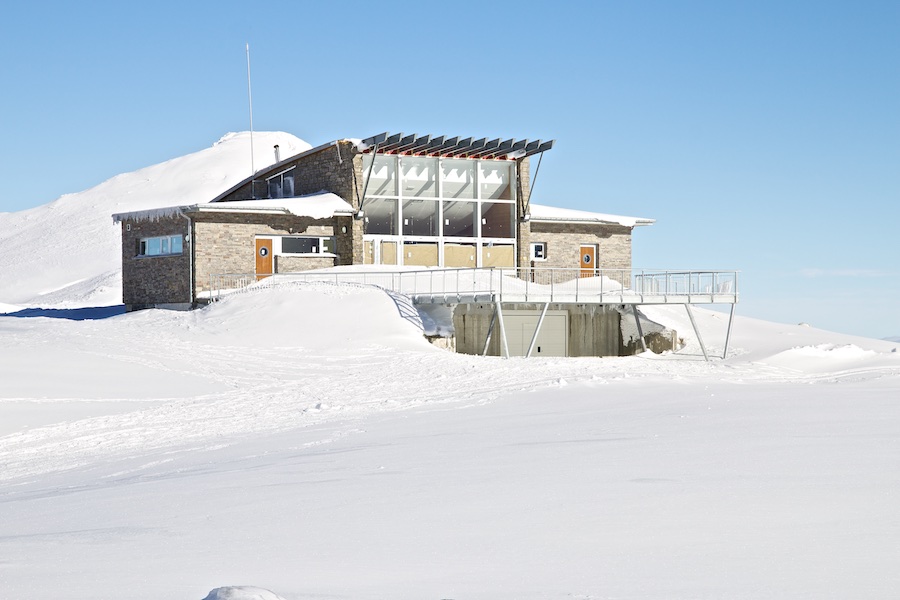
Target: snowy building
x=387 y=200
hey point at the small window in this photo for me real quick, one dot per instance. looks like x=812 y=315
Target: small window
x=160 y=246
x=539 y=251
x=307 y=245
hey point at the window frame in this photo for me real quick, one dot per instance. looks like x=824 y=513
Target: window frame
x=278 y=249
x=144 y=245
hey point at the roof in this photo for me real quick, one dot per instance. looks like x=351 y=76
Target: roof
x=551 y=214
x=320 y=205
x=452 y=147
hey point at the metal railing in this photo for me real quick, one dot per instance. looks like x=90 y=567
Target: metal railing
x=442 y=286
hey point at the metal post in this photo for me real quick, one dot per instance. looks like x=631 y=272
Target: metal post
x=487 y=340
x=728 y=332
x=637 y=321
x=696 y=331
x=537 y=330
x=503 y=341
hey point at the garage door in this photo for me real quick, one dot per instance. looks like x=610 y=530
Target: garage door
x=520 y=325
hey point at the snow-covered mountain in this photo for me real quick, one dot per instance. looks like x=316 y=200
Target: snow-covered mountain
x=68 y=252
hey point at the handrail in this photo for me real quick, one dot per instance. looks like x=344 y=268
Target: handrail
x=524 y=284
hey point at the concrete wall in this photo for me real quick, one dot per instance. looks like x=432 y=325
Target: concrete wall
x=152 y=280
x=593 y=330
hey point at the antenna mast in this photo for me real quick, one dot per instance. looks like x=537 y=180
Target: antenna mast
x=250 y=97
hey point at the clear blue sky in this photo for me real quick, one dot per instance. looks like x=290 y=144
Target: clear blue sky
x=762 y=136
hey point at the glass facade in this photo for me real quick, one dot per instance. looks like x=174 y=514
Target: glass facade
x=433 y=211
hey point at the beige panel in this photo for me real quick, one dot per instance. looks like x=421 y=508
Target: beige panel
x=389 y=253
x=459 y=255
x=520 y=326
x=498 y=256
x=368 y=252
x=425 y=255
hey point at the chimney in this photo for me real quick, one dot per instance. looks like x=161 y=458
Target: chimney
x=277 y=154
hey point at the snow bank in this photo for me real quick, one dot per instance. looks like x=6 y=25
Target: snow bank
x=316 y=316
x=242 y=593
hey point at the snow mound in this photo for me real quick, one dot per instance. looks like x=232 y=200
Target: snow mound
x=830 y=358
x=312 y=315
x=242 y=592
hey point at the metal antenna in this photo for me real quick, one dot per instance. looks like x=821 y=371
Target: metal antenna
x=250 y=96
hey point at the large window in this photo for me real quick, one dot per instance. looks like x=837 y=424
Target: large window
x=160 y=246
x=420 y=217
x=410 y=199
x=381 y=216
x=281 y=185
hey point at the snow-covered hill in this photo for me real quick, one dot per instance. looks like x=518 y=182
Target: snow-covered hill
x=68 y=252
x=306 y=439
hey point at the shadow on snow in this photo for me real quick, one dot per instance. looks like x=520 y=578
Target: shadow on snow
x=92 y=313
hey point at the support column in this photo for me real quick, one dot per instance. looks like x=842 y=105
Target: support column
x=487 y=340
x=728 y=332
x=696 y=331
x=537 y=329
x=637 y=321
x=503 y=343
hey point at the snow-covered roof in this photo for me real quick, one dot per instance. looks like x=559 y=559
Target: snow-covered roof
x=320 y=205
x=551 y=214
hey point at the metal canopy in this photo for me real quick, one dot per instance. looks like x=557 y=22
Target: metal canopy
x=454 y=147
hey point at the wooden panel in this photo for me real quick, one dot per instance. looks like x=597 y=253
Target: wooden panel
x=368 y=252
x=425 y=255
x=389 y=253
x=263 y=258
x=459 y=255
x=498 y=256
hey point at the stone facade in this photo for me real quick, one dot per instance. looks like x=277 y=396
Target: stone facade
x=564 y=241
x=154 y=280
x=226 y=243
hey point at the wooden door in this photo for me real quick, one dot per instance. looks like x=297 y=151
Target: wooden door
x=263 y=258
x=588 y=261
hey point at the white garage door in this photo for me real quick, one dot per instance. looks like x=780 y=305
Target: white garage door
x=520 y=325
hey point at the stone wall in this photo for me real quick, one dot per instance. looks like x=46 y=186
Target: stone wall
x=152 y=280
x=564 y=241
x=336 y=168
x=523 y=229
x=225 y=243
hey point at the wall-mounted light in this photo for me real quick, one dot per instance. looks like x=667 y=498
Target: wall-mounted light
x=343 y=229
x=359 y=214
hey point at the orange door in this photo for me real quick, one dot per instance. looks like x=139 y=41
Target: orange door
x=263 y=258
x=588 y=261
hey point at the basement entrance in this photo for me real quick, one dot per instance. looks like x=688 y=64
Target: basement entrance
x=551 y=340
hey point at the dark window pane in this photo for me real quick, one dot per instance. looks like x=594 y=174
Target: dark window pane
x=299 y=245
x=381 y=216
x=420 y=217
x=459 y=219
x=497 y=220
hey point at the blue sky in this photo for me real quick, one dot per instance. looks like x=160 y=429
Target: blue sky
x=762 y=136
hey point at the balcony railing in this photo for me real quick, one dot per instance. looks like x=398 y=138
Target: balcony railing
x=449 y=286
